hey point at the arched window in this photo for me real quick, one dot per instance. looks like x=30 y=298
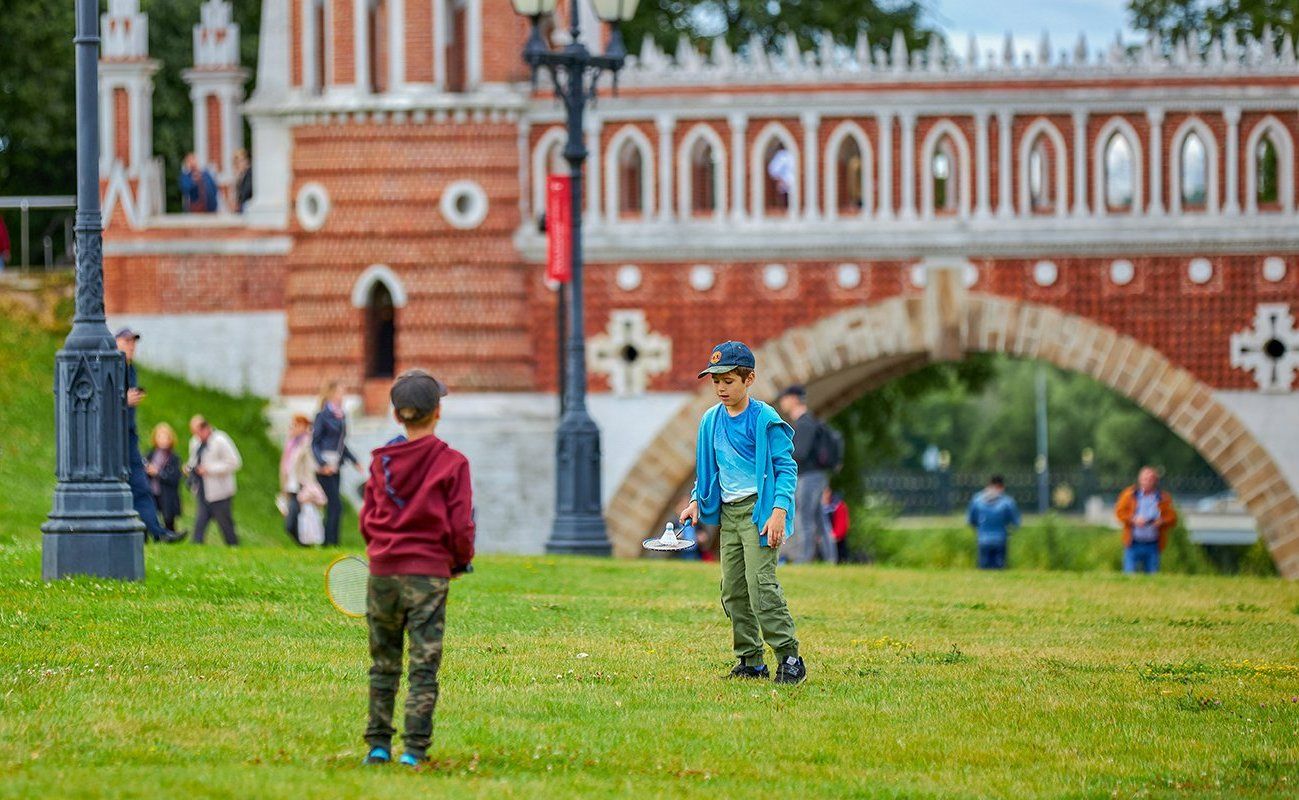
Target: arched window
x=1119 y=183
x=944 y=174
x=1194 y=173
x=1041 y=195
x=779 y=178
x=380 y=333
x=703 y=178
x=631 y=176
x=850 y=170
x=321 y=30
x=1267 y=191
x=376 y=12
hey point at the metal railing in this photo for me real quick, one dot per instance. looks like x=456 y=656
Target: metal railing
x=25 y=206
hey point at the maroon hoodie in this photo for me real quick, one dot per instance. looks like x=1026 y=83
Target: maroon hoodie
x=418 y=517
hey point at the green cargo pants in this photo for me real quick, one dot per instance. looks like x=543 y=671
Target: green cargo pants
x=751 y=595
x=398 y=605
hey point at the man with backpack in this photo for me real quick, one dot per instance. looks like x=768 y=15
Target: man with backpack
x=818 y=451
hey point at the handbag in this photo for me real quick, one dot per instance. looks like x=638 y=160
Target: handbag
x=311 y=528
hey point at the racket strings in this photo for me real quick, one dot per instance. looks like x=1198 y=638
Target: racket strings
x=347 y=582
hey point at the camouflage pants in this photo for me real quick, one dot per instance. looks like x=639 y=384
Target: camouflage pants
x=398 y=605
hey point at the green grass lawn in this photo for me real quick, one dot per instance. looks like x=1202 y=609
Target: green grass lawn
x=227 y=675
x=27 y=438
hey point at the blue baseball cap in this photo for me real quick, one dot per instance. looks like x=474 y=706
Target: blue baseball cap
x=727 y=356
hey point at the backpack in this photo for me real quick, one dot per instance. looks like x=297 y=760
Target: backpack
x=827 y=453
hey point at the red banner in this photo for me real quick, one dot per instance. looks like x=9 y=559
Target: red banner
x=559 y=231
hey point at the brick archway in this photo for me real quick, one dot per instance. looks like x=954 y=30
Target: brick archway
x=842 y=356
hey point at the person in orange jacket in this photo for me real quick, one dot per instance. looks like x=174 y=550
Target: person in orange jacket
x=1146 y=513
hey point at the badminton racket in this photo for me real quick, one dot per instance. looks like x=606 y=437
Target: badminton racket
x=347 y=580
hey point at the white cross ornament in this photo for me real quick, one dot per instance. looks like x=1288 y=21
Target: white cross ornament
x=628 y=353
x=1271 y=350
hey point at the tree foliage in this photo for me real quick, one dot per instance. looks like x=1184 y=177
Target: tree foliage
x=772 y=20
x=1199 y=22
x=982 y=411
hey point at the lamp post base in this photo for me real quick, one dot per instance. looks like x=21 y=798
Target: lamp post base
x=119 y=556
x=579 y=535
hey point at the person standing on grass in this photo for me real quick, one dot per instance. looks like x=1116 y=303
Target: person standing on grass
x=813 y=454
x=418 y=524
x=137 y=476
x=213 y=462
x=745 y=478
x=837 y=521
x=329 y=446
x=1147 y=515
x=163 y=467
x=993 y=515
x=298 y=479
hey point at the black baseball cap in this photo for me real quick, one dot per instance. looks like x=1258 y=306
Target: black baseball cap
x=728 y=356
x=126 y=333
x=416 y=394
x=797 y=390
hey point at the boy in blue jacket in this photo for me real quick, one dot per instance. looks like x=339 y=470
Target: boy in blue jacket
x=745 y=477
x=993 y=514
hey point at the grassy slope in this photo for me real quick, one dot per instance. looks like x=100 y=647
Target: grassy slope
x=226 y=675
x=27 y=445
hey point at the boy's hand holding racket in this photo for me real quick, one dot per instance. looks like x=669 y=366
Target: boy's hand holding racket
x=690 y=513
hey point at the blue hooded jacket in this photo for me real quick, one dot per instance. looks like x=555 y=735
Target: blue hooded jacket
x=777 y=473
x=992 y=516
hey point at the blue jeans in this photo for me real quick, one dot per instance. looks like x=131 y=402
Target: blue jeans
x=992 y=556
x=142 y=493
x=1141 y=557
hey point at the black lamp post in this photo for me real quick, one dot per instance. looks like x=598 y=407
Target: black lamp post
x=579 y=522
x=92 y=528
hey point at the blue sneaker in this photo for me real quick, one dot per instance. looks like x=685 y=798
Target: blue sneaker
x=411 y=760
x=378 y=755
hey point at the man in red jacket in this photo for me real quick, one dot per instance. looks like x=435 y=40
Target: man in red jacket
x=418 y=524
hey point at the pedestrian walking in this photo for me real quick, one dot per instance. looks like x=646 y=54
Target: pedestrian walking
x=164 y=470
x=137 y=476
x=1146 y=513
x=213 y=462
x=301 y=494
x=817 y=452
x=837 y=520
x=329 y=447
x=993 y=515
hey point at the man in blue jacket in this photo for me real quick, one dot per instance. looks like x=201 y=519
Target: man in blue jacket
x=993 y=514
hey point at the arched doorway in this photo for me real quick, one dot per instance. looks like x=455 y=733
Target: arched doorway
x=380 y=334
x=842 y=356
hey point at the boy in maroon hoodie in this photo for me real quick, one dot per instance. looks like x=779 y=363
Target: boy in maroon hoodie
x=418 y=525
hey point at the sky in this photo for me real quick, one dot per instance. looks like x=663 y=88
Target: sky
x=990 y=20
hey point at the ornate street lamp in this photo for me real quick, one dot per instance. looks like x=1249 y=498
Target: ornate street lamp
x=579 y=522
x=92 y=528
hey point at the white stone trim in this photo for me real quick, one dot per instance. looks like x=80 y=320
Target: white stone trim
x=1122 y=272
x=378 y=273
x=361 y=46
x=963 y=170
x=471 y=217
x=907 y=122
x=474 y=47
x=1197 y=126
x=540 y=169
x=982 y=171
x=848 y=276
x=396 y=44
x=312 y=206
x=1232 y=115
x=592 y=127
x=702 y=277
x=1005 y=203
x=1200 y=270
x=1274 y=269
x=637 y=138
x=811 y=122
x=885 y=122
x=685 y=172
x=1155 y=119
x=1119 y=125
x=1284 y=164
x=738 y=125
x=758 y=170
x=1060 y=189
x=844 y=131
x=775 y=276
x=1045 y=273
x=1080 y=163
x=441 y=21
x=665 y=127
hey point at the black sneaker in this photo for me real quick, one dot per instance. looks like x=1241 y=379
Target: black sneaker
x=743 y=670
x=791 y=670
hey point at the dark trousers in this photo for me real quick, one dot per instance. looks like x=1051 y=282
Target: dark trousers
x=992 y=556
x=291 y=518
x=168 y=520
x=397 y=607
x=333 y=506
x=220 y=511
x=142 y=493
